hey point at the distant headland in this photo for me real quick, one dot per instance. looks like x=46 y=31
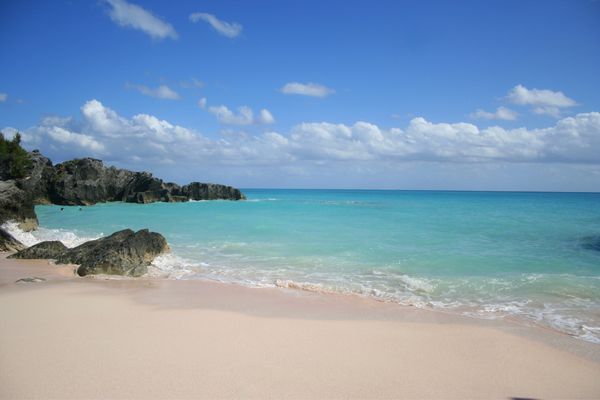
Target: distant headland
x=87 y=181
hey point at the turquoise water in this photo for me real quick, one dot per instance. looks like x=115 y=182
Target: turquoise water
x=530 y=256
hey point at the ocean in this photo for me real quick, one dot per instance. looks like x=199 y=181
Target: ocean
x=533 y=257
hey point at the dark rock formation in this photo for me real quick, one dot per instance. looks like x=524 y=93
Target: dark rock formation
x=42 y=251
x=124 y=253
x=88 y=181
x=37 y=183
x=210 y=191
x=17 y=205
x=8 y=243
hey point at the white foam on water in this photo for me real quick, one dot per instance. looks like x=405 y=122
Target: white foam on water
x=171 y=266
x=67 y=238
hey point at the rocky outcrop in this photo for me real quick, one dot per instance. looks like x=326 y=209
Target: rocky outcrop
x=88 y=181
x=210 y=191
x=39 y=179
x=51 y=250
x=17 y=205
x=8 y=243
x=125 y=253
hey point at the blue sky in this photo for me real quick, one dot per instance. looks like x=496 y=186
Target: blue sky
x=450 y=95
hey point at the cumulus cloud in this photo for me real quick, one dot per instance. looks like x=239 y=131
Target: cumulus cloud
x=3 y=96
x=312 y=89
x=102 y=132
x=545 y=101
x=131 y=15
x=224 y=28
x=502 y=113
x=202 y=103
x=163 y=92
x=246 y=116
x=521 y=95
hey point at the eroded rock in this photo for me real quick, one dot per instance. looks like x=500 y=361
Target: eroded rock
x=8 y=243
x=125 y=253
x=51 y=250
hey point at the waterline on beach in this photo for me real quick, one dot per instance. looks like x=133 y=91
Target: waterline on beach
x=526 y=256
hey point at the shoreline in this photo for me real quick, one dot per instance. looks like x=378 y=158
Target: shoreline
x=100 y=337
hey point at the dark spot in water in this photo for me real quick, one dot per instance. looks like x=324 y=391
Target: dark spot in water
x=591 y=243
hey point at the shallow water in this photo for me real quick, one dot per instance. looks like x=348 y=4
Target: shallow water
x=530 y=256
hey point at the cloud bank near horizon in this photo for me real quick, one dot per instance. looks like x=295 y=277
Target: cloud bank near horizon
x=102 y=133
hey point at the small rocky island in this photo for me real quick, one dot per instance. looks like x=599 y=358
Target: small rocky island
x=85 y=182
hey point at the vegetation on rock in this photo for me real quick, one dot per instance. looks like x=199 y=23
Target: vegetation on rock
x=14 y=160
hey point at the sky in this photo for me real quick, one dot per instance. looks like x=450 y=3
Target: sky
x=396 y=95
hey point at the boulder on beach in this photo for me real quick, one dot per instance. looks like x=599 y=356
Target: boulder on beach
x=125 y=253
x=51 y=250
x=8 y=243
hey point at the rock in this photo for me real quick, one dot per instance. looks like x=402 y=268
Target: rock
x=210 y=191
x=51 y=250
x=17 y=205
x=38 y=182
x=88 y=181
x=8 y=243
x=30 y=280
x=122 y=253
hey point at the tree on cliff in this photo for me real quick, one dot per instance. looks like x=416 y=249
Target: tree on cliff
x=14 y=161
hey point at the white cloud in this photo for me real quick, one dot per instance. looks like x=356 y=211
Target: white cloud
x=544 y=98
x=130 y=15
x=224 y=28
x=246 y=116
x=502 y=113
x=545 y=101
x=3 y=96
x=101 y=132
x=312 y=89
x=202 y=103
x=83 y=141
x=163 y=92
x=552 y=111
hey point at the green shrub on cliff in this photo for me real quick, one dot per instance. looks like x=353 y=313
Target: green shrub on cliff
x=14 y=161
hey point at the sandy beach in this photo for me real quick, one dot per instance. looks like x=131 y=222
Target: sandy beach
x=71 y=337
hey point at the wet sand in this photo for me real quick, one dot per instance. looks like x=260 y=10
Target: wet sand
x=71 y=337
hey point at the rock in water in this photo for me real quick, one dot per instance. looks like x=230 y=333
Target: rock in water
x=8 y=243
x=123 y=253
x=210 y=191
x=52 y=250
